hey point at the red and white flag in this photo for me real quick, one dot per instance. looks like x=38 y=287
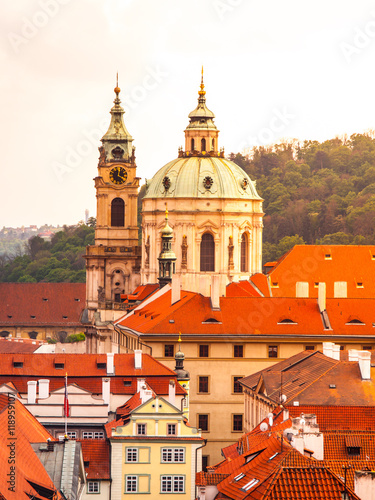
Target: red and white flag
x=66 y=401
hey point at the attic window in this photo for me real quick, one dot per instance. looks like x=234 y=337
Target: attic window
x=101 y=365
x=354 y=451
x=250 y=485
x=316 y=284
x=77 y=300
x=10 y=316
x=251 y=457
x=32 y=316
x=275 y=284
x=273 y=456
x=18 y=364
x=211 y=321
x=59 y=366
x=328 y=256
x=65 y=317
x=239 y=476
x=45 y=299
x=332 y=386
x=354 y=322
x=287 y=321
x=86 y=463
x=127 y=383
x=360 y=284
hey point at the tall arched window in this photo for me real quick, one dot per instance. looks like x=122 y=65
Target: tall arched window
x=118 y=212
x=213 y=145
x=244 y=253
x=207 y=252
x=203 y=145
x=192 y=145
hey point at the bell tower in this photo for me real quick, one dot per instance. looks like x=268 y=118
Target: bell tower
x=113 y=263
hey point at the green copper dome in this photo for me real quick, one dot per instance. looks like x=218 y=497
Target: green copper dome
x=202 y=177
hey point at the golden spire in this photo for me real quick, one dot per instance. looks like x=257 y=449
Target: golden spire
x=166 y=212
x=179 y=337
x=117 y=88
x=202 y=92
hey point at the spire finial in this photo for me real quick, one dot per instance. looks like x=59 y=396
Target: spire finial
x=166 y=212
x=117 y=88
x=202 y=92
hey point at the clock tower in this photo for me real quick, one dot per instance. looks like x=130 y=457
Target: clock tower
x=113 y=263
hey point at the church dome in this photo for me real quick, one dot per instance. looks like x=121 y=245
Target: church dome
x=201 y=177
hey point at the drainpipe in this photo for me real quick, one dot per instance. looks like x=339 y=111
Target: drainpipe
x=196 y=458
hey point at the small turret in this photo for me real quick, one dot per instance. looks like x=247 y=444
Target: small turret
x=167 y=257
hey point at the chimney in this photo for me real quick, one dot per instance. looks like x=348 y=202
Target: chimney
x=172 y=392
x=176 y=288
x=364 y=359
x=31 y=392
x=328 y=349
x=43 y=388
x=353 y=355
x=336 y=352
x=285 y=414
x=110 y=363
x=215 y=291
x=302 y=289
x=140 y=383
x=138 y=359
x=270 y=419
x=106 y=390
x=322 y=297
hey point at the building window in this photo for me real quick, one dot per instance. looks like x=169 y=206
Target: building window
x=87 y=435
x=203 y=351
x=213 y=145
x=192 y=145
x=93 y=486
x=132 y=454
x=237 y=387
x=205 y=459
x=310 y=348
x=238 y=351
x=207 y=253
x=244 y=253
x=131 y=484
x=118 y=212
x=272 y=351
x=237 y=423
x=203 y=422
x=171 y=430
x=367 y=348
x=72 y=435
x=141 y=429
x=98 y=435
x=172 y=484
x=203 y=145
x=169 y=351
x=173 y=455
x=203 y=384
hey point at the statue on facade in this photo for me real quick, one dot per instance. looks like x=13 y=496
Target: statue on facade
x=184 y=249
x=147 y=249
x=101 y=294
x=230 y=253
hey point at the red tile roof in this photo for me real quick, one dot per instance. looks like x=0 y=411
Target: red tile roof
x=331 y=418
x=12 y=345
x=48 y=302
x=97 y=453
x=326 y=263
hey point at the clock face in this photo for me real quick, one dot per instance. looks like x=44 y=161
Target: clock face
x=118 y=175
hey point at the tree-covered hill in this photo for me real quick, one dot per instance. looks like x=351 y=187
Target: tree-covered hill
x=60 y=260
x=315 y=192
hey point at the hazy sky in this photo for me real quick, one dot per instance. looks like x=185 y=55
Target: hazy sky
x=291 y=69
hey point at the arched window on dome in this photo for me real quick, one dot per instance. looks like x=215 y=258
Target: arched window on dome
x=213 y=145
x=118 y=212
x=203 y=145
x=192 y=145
x=207 y=253
x=244 y=253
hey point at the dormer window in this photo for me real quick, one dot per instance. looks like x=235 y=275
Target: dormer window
x=18 y=364
x=360 y=284
x=59 y=366
x=287 y=321
x=328 y=256
x=355 y=322
x=353 y=445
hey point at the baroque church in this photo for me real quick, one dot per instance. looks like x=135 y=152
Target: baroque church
x=214 y=222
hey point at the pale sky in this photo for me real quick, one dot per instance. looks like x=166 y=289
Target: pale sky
x=273 y=70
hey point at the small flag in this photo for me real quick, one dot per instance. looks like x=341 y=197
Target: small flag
x=66 y=401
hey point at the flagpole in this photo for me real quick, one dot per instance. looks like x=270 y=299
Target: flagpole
x=65 y=404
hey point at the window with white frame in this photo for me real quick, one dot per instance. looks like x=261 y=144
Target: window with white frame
x=171 y=429
x=98 y=435
x=87 y=435
x=93 y=487
x=132 y=454
x=131 y=484
x=172 y=484
x=173 y=454
x=72 y=435
x=141 y=429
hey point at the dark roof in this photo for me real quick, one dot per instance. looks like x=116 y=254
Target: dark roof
x=38 y=304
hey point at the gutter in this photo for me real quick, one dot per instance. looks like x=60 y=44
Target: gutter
x=196 y=457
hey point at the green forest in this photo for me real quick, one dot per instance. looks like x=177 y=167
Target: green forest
x=314 y=193
x=60 y=260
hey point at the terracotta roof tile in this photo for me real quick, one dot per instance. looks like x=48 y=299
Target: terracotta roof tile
x=97 y=453
x=339 y=417
x=12 y=345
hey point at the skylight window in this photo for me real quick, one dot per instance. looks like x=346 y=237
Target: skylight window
x=287 y=321
x=250 y=485
x=273 y=456
x=239 y=476
x=360 y=284
x=328 y=256
x=355 y=322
